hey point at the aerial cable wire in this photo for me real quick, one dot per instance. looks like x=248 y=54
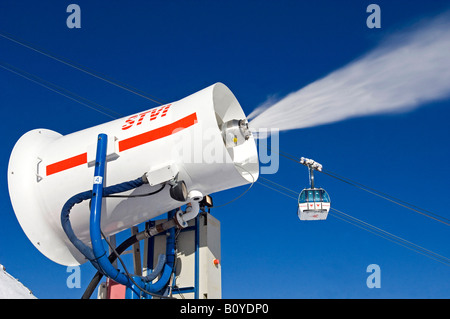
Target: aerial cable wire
x=400 y=241
x=390 y=198
x=367 y=227
x=274 y=189
x=276 y=184
x=240 y=195
x=61 y=91
x=373 y=191
x=444 y=260
x=84 y=70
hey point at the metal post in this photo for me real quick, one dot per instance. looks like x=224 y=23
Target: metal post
x=136 y=254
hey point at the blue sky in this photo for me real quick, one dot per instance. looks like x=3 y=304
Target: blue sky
x=258 y=49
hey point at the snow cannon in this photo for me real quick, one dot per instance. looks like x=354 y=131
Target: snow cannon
x=198 y=145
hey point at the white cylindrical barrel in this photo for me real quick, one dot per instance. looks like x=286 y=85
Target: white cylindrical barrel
x=182 y=140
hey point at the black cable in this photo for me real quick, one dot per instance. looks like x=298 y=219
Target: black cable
x=174 y=270
x=112 y=257
x=139 y=195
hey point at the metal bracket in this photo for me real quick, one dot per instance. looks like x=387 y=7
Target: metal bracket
x=38 y=176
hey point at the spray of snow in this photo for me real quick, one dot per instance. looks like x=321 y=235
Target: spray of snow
x=408 y=70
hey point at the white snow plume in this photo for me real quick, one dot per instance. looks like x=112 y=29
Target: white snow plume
x=408 y=70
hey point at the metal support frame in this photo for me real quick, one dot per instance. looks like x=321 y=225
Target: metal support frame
x=101 y=257
x=137 y=286
x=150 y=259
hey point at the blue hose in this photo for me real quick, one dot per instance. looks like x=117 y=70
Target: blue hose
x=161 y=284
x=158 y=269
x=89 y=253
x=77 y=199
x=97 y=255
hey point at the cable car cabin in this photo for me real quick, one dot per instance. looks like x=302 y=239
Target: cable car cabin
x=313 y=204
